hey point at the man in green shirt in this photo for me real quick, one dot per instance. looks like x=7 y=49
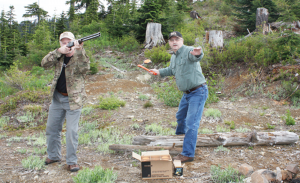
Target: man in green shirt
x=185 y=66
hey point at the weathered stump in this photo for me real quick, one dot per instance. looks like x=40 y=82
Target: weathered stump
x=153 y=35
x=194 y=15
x=262 y=16
x=215 y=38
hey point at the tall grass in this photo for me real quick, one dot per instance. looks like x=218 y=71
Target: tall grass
x=98 y=174
x=228 y=174
x=33 y=163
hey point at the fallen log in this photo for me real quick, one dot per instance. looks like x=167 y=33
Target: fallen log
x=225 y=139
x=130 y=148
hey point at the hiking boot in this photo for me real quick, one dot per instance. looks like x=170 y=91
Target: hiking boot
x=183 y=159
x=73 y=168
x=49 y=161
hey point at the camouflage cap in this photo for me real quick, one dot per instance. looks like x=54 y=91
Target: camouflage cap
x=177 y=34
x=68 y=35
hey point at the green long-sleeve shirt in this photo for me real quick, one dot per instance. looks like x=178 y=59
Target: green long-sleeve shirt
x=186 y=69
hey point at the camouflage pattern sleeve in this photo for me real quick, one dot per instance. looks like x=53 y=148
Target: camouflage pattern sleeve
x=51 y=59
x=83 y=61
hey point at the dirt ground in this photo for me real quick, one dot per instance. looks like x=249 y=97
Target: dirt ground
x=251 y=113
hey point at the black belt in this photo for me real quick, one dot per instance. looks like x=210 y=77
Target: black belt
x=195 y=88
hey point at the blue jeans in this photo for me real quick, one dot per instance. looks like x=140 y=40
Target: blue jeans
x=188 y=118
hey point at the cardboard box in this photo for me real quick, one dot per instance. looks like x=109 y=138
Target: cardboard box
x=155 y=164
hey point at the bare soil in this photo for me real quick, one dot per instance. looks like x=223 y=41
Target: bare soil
x=251 y=113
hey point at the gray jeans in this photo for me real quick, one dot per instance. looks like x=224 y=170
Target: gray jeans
x=59 y=111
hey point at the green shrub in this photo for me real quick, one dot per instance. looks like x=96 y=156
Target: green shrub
x=6 y=89
x=213 y=113
x=242 y=130
x=94 y=68
x=148 y=104
x=231 y=124
x=159 y=130
x=288 y=46
x=11 y=103
x=15 y=77
x=111 y=103
x=33 y=163
x=40 y=140
x=22 y=151
x=40 y=151
x=91 y=28
x=270 y=126
x=169 y=93
x=205 y=131
x=4 y=121
x=158 y=54
x=229 y=174
x=221 y=148
x=190 y=31
x=33 y=108
x=128 y=43
x=143 y=97
x=97 y=175
x=36 y=70
x=261 y=50
x=135 y=126
x=174 y=124
x=86 y=110
x=222 y=129
x=289 y=120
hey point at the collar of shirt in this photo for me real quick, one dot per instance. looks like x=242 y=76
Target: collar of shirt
x=179 y=50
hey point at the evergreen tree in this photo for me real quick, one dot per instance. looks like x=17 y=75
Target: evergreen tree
x=3 y=39
x=183 y=5
x=11 y=16
x=60 y=24
x=33 y=10
x=9 y=37
x=71 y=12
x=289 y=10
x=91 y=13
x=246 y=12
x=83 y=3
x=149 y=12
x=42 y=37
x=119 y=18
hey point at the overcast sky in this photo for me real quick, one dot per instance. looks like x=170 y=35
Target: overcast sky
x=49 y=5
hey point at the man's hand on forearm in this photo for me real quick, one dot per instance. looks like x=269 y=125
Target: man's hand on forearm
x=196 y=51
x=77 y=45
x=154 y=70
x=65 y=50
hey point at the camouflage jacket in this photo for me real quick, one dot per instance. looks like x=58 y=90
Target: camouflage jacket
x=75 y=72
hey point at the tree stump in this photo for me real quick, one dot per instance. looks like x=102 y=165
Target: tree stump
x=153 y=35
x=215 y=38
x=262 y=16
x=194 y=15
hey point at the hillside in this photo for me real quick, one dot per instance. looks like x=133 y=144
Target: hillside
x=251 y=90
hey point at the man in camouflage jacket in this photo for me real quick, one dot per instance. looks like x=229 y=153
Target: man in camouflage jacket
x=71 y=66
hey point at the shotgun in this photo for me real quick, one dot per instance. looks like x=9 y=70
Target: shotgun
x=92 y=36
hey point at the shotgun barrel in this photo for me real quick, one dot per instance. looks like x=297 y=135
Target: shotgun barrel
x=86 y=38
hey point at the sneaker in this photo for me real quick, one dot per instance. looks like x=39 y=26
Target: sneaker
x=183 y=159
x=49 y=161
x=73 y=168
